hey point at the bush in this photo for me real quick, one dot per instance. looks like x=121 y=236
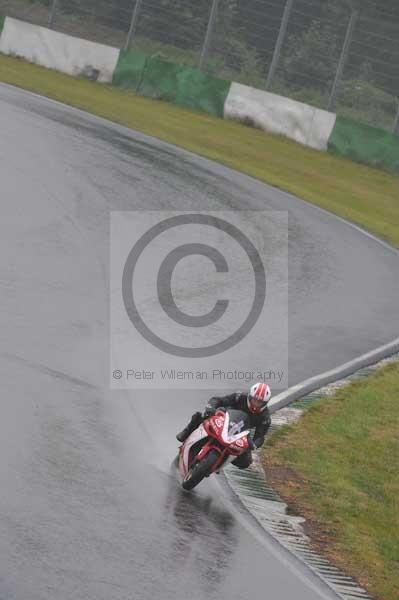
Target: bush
x=312 y=57
x=363 y=95
x=238 y=62
x=365 y=102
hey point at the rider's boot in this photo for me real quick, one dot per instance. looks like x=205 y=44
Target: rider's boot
x=196 y=419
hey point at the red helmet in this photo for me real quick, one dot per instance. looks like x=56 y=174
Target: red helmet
x=258 y=397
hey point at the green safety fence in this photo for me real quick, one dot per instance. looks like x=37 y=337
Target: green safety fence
x=184 y=86
x=365 y=144
x=129 y=70
x=2 y=19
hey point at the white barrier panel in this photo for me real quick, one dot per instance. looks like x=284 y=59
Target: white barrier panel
x=275 y=114
x=58 y=51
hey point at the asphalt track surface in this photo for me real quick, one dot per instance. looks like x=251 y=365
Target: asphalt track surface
x=88 y=506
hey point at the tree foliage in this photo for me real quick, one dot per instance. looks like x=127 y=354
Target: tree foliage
x=246 y=31
x=312 y=57
x=313 y=50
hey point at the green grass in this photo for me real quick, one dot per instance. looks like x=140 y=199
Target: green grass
x=344 y=456
x=364 y=195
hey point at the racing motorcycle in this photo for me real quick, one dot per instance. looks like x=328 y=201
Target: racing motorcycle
x=216 y=442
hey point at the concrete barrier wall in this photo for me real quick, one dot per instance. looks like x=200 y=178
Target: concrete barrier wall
x=275 y=114
x=57 y=51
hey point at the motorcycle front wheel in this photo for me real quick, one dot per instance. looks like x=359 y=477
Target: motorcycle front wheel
x=200 y=470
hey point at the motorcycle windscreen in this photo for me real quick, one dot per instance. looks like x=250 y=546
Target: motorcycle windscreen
x=238 y=422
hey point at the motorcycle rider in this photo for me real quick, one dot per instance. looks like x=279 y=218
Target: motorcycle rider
x=254 y=404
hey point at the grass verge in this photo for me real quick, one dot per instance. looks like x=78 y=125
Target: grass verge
x=339 y=467
x=363 y=195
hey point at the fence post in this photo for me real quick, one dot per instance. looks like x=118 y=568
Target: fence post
x=133 y=24
x=396 y=125
x=343 y=58
x=279 y=43
x=52 y=14
x=208 y=35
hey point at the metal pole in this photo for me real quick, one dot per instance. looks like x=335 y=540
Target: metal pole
x=51 y=17
x=396 y=125
x=279 y=43
x=342 y=61
x=208 y=35
x=133 y=24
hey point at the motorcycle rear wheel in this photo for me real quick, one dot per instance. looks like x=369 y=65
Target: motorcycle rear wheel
x=200 y=470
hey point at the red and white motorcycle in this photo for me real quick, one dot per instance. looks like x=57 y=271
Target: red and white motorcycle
x=216 y=442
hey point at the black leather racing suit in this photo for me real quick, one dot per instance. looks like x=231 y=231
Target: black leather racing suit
x=260 y=422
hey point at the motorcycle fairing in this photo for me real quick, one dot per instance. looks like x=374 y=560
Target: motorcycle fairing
x=197 y=435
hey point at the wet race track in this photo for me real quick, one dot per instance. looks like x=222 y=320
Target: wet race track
x=89 y=508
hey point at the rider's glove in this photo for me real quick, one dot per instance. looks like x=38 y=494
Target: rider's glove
x=209 y=411
x=251 y=443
